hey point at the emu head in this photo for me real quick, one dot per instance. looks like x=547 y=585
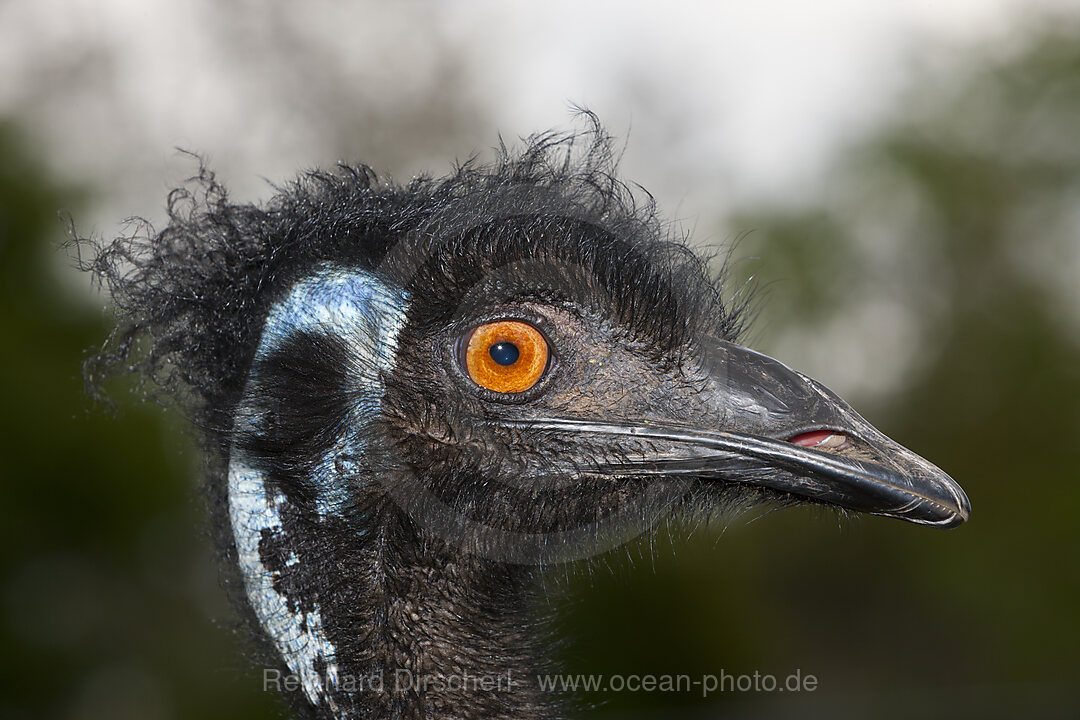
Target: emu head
x=413 y=392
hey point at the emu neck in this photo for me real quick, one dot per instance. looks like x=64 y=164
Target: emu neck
x=451 y=635
x=372 y=618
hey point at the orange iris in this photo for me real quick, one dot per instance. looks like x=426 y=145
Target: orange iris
x=517 y=376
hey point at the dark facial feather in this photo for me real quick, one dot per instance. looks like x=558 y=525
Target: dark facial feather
x=191 y=298
x=382 y=510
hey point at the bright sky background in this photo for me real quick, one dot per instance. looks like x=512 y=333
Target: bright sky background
x=721 y=99
x=719 y=102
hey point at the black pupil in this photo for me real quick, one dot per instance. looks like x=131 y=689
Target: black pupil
x=504 y=353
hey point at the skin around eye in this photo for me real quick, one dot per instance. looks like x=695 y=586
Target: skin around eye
x=508 y=356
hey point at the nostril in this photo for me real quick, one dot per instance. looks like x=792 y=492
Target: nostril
x=819 y=439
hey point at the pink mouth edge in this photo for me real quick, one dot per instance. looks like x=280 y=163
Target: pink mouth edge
x=812 y=438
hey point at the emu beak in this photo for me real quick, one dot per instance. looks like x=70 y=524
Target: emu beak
x=793 y=423
x=765 y=425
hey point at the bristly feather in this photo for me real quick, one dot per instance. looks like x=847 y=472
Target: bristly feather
x=191 y=298
x=193 y=302
x=383 y=508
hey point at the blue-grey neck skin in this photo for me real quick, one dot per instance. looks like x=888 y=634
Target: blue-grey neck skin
x=358 y=308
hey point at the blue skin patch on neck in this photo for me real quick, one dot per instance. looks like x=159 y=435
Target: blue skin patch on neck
x=361 y=310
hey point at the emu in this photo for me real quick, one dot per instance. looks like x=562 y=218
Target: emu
x=415 y=398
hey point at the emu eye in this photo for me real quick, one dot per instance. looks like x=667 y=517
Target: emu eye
x=508 y=356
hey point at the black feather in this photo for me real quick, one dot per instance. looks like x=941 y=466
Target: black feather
x=550 y=224
x=191 y=298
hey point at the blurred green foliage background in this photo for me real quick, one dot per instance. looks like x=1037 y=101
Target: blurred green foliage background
x=955 y=226
x=972 y=194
